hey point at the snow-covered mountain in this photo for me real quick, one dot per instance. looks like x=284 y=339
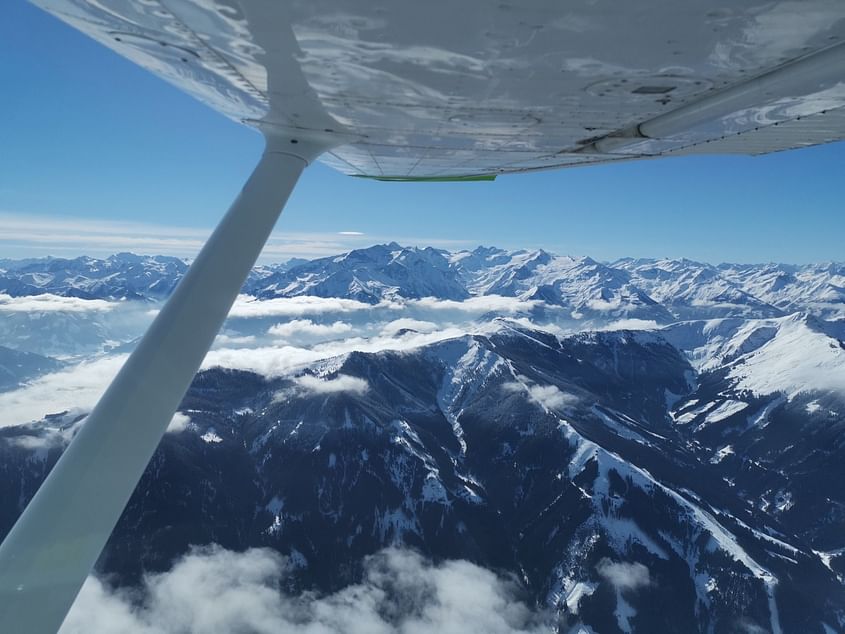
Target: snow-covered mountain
x=664 y=291
x=586 y=288
x=369 y=275
x=691 y=290
x=681 y=477
x=696 y=290
x=818 y=288
x=631 y=481
x=767 y=411
x=120 y=276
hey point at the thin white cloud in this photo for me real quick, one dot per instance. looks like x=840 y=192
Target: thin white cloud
x=235 y=340
x=307 y=327
x=623 y=575
x=215 y=591
x=525 y=322
x=407 y=323
x=484 y=304
x=603 y=305
x=548 y=397
x=25 y=235
x=34 y=235
x=49 y=435
x=341 y=383
x=48 y=302
x=247 y=306
x=631 y=324
x=407 y=341
x=179 y=423
x=270 y=361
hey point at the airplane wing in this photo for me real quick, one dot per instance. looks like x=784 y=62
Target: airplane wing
x=402 y=90
x=443 y=89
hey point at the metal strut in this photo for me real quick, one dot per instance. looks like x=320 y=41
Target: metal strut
x=53 y=546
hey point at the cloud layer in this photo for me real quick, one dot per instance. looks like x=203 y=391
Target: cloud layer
x=307 y=327
x=274 y=337
x=247 y=306
x=215 y=591
x=48 y=302
x=78 y=387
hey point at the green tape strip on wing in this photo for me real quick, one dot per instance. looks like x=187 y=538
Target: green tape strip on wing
x=430 y=179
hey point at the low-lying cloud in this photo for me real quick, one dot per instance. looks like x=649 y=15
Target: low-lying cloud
x=480 y=304
x=212 y=590
x=548 y=397
x=396 y=326
x=78 y=387
x=274 y=337
x=47 y=302
x=247 y=306
x=226 y=339
x=274 y=361
x=632 y=324
x=55 y=434
x=341 y=383
x=623 y=575
x=307 y=327
x=525 y=322
x=179 y=423
x=270 y=361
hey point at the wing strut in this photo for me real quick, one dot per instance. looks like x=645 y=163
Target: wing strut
x=51 y=549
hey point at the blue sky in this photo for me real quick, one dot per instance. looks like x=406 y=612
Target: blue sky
x=98 y=156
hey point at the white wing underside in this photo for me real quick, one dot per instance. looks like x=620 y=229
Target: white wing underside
x=448 y=89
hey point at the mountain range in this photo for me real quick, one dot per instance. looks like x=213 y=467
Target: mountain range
x=683 y=476
x=661 y=290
